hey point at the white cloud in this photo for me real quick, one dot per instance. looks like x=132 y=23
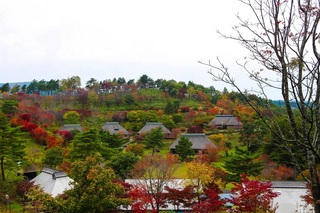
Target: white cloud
x=105 y=39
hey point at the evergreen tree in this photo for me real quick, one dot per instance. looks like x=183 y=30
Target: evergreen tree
x=154 y=139
x=85 y=144
x=11 y=145
x=184 y=149
x=242 y=162
x=93 y=188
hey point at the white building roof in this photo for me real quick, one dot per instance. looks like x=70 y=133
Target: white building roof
x=52 y=181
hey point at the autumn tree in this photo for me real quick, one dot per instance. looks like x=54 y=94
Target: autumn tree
x=153 y=173
x=253 y=196
x=71 y=117
x=282 y=37
x=201 y=174
x=93 y=188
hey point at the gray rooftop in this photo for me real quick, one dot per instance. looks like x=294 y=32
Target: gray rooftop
x=114 y=128
x=52 y=181
x=227 y=120
x=70 y=127
x=199 y=141
x=152 y=125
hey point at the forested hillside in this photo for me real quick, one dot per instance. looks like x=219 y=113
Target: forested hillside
x=31 y=133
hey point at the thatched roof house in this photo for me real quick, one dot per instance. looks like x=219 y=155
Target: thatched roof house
x=52 y=181
x=115 y=128
x=71 y=127
x=152 y=125
x=200 y=142
x=226 y=122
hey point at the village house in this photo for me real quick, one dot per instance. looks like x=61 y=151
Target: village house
x=152 y=125
x=226 y=122
x=200 y=142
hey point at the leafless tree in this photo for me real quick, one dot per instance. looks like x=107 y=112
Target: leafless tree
x=282 y=37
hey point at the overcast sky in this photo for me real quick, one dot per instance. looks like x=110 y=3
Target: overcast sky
x=103 y=39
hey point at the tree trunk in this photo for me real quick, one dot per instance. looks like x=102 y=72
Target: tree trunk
x=2 y=168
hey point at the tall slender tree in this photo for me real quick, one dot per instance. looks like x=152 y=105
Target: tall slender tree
x=11 y=145
x=283 y=37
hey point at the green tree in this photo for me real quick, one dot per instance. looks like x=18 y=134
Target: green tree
x=169 y=108
x=242 y=162
x=93 y=188
x=5 y=87
x=154 y=139
x=122 y=163
x=15 y=89
x=85 y=144
x=71 y=117
x=9 y=107
x=184 y=149
x=11 y=145
x=53 y=157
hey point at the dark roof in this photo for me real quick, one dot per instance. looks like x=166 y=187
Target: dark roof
x=114 y=128
x=228 y=120
x=58 y=174
x=70 y=127
x=289 y=184
x=199 y=141
x=152 y=125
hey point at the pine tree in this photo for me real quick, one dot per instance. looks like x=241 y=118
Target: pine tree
x=183 y=149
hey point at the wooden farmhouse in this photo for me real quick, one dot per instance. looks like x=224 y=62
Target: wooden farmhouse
x=152 y=125
x=200 y=142
x=71 y=127
x=115 y=128
x=226 y=122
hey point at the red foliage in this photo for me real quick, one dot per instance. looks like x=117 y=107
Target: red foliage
x=185 y=109
x=195 y=129
x=252 y=195
x=25 y=117
x=65 y=166
x=211 y=202
x=180 y=197
x=40 y=135
x=142 y=201
x=23 y=187
x=67 y=135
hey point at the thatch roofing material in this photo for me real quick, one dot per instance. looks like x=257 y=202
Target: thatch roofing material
x=199 y=141
x=114 y=128
x=152 y=125
x=226 y=120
